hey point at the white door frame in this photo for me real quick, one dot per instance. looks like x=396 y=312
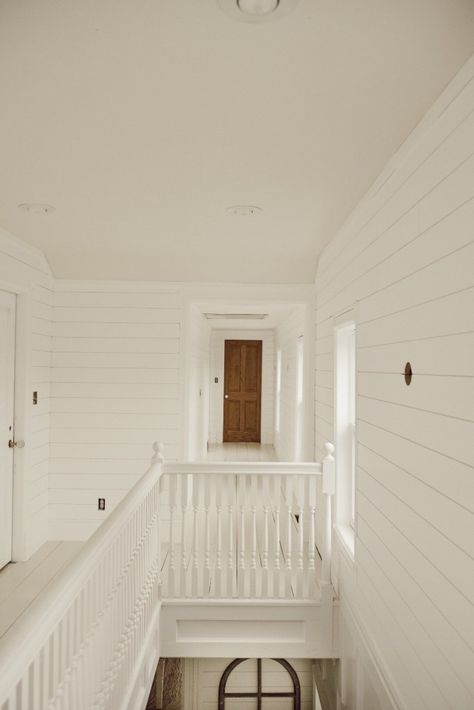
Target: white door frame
x=20 y=543
x=7 y=377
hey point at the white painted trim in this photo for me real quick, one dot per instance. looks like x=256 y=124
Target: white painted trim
x=191 y=677
x=20 y=547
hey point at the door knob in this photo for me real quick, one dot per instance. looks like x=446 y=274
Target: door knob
x=16 y=444
x=226 y=396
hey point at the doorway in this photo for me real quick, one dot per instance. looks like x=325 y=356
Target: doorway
x=242 y=391
x=7 y=395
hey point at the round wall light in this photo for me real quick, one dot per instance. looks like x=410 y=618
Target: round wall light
x=257 y=10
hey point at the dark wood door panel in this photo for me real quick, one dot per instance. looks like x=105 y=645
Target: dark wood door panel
x=242 y=390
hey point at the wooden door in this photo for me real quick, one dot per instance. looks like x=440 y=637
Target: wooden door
x=242 y=390
x=7 y=374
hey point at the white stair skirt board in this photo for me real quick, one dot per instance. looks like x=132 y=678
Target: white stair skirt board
x=248 y=629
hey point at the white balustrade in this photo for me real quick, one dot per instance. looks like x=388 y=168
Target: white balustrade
x=229 y=530
x=80 y=645
x=250 y=532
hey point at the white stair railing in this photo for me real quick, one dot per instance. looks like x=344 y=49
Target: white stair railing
x=247 y=531
x=85 y=642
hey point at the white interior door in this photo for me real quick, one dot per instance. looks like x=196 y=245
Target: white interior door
x=7 y=380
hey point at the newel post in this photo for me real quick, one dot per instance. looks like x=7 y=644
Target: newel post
x=329 y=488
x=159 y=452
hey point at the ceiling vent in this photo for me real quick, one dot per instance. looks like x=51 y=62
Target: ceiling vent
x=236 y=316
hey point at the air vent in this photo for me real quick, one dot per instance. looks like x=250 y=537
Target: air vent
x=236 y=316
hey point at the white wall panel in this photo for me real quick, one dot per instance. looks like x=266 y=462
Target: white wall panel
x=116 y=387
x=403 y=261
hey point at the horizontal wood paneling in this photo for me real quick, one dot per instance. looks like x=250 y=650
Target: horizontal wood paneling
x=404 y=261
x=116 y=387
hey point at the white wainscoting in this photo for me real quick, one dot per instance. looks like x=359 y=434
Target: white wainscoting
x=404 y=260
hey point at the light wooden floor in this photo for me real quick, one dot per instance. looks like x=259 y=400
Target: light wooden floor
x=22 y=582
x=241 y=452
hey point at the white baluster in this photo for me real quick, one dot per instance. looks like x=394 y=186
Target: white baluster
x=184 y=507
x=172 y=560
x=254 y=493
x=276 y=494
x=241 y=578
x=266 y=510
x=230 y=537
x=289 y=528
x=207 y=536
x=195 y=568
x=25 y=690
x=300 y=512
x=312 y=587
x=219 y=483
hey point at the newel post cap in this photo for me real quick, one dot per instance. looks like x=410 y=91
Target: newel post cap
x=329 y=470
x=159 y=452
x=329 y=450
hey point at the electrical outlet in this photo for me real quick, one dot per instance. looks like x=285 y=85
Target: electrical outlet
x=101 y=503
x=35 y=397
x=216 y=380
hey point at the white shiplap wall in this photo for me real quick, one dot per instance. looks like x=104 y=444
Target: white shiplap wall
x=405 y=261
x=116 y=387
x=202 y=676
x=24 y=271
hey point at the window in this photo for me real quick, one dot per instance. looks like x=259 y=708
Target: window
x=345 y=429
x=264 y=698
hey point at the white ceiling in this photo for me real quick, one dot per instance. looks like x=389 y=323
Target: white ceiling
x=142 y=120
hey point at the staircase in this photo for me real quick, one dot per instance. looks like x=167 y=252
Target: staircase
x=199 y=559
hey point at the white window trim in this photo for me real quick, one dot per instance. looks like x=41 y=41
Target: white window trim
x=345 y=528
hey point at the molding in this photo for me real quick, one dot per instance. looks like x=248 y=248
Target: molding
x=371 y=653
x=20 y=250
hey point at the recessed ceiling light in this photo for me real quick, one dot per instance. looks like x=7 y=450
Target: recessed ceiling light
x=257 y=10
x=243 y=210
x=36 y=208
x=258 y=7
